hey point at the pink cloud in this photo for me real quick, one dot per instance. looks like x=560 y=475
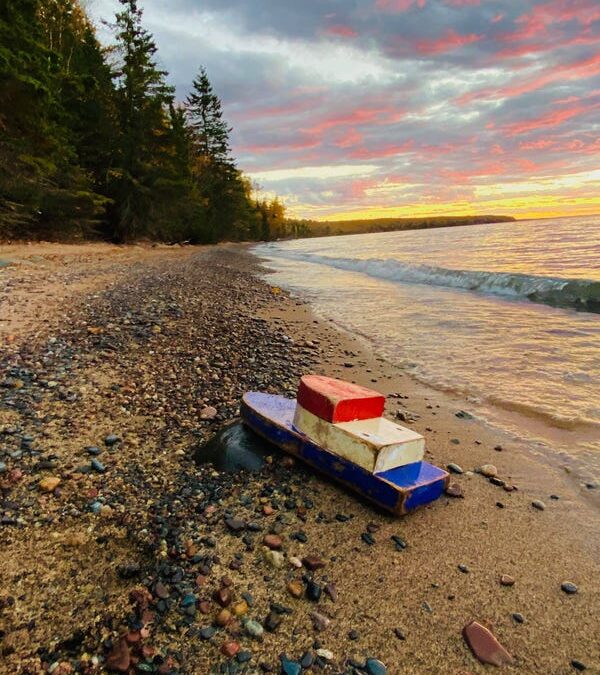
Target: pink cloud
x=359 y=116
x=463 y=3
x=553 y=118
x=381 y=152
x=349 y=139
x=341 y=30
x=571 y=71
x=449 y=41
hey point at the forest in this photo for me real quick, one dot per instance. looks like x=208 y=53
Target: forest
x=94 y=144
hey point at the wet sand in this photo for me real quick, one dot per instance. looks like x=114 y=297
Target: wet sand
x=120 y=566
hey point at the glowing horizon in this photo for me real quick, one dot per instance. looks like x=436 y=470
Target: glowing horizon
x=399 y=108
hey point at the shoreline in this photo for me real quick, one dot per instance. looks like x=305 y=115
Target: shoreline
x=173 y=333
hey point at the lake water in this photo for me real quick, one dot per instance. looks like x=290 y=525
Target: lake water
x=506 y=315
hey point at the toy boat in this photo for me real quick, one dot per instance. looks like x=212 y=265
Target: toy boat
x=337 y=428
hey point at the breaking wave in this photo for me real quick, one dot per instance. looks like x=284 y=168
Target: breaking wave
x=580 y=294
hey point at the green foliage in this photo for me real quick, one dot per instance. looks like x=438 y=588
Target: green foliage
x=93 y=144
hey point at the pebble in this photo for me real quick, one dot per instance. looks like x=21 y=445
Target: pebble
x=208 y=413
x=295 y=588
x=240 y=608
x=454 y=490
x=463 y=568
x=375 y=667
x=538 y=504
x=119 y=658
x=353 y=634
x=313 y=563
x=399 y=542
x=485 y=646
x=454 y=468
x=399 y=634
x=254 y=629
x=325 y=654
x=223 y=617
x=111 y=439
x=97 y=465
x=290 y=667
x=578 y=665
x=272 y=622
x=274 y=558
x=569 y=587
x=244 y=656
x=273 y=542
x=518 y=617
x=223 y=596
x=307 y=660
x=3 y=467
x=506 y=580
x=207 y=633
x=488 y=470
x=49 y=484
x=230 y=649
x=319 y=621
x=235 y=524
x=93 y=450
x=313 y=591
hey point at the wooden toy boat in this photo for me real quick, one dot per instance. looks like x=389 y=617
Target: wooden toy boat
x=337 y=428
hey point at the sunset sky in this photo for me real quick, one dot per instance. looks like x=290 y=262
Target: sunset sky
x=356 y=108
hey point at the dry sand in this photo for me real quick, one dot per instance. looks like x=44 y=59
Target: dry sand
x=144 y=339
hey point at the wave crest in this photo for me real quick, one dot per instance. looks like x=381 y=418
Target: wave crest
x=580 y=294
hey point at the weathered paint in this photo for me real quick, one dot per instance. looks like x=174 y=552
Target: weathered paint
x=398 y=490
x=375 y=444
x=337 y=401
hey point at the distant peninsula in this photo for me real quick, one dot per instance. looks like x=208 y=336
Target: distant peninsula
x=324 y=228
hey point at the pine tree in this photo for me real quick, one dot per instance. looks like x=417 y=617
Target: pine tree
x=220 y=184
x=143 y=98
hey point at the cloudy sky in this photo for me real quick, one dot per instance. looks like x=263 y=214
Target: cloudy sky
x=353 y=108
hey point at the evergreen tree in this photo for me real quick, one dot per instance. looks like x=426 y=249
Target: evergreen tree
x=219 y=183
x=143 y=98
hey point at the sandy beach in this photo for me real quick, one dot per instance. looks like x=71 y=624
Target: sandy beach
x=120 y=554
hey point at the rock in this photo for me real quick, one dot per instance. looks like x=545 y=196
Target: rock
x=325 y=654
x=235 y=524
x=487 y=470
x=578 y=665
x=254 y=629
x=244 y=656
x=331 y=591
x=161 y=591
x=240 y=608
x=97 y=465
x=399 y=634
x=208 y=413
x=353 y=634
x=538 y=504
x=313 y=563
x=230 y=649
x=454 y=490
x=494 y=480
x=463 y=568
x=223 y=618
x=111 y=439
x=223 y=596
x=207 y=633
x=454 y=468
x=506 y=580
x=3 y=467
x=375 y=667
x=93 y=450
x=313 y=591
x=463 y=415
x=518 y=617
x=295 y=588
x=272 y=622
x=399 y=542
x=119 y=658
x=49 y=484
x=319 y=621
x=274 y=558
x=485 y=646
x=273 y=542
x=290 y=667
x=569 y=587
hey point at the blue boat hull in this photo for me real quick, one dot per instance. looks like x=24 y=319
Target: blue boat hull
x=398 y=490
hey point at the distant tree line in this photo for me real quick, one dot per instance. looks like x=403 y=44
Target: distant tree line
x=94 y=144
x=324 y=228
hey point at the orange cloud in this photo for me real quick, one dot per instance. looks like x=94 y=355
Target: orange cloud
x=341 y=30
